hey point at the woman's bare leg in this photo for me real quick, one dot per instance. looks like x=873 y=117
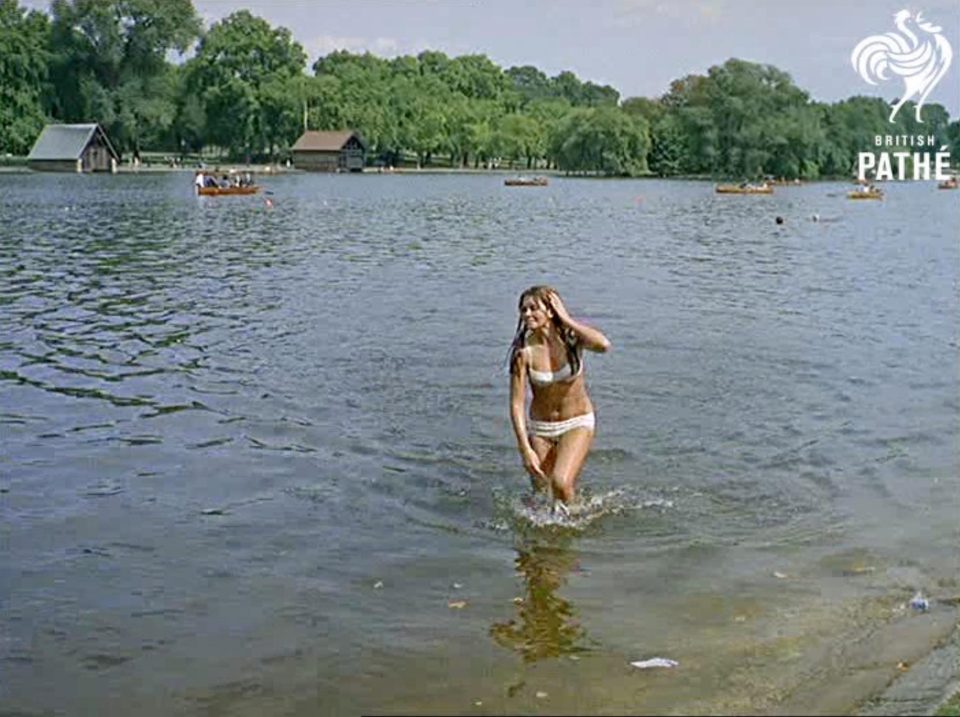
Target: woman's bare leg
x=571 y=454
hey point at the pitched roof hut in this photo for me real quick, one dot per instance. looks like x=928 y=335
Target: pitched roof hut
x=73 y=148
x=330 y=151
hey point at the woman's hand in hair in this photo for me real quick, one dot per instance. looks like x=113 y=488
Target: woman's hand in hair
x=556 y=305
x=589 y=337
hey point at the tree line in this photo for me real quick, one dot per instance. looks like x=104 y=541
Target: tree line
x=246 y=91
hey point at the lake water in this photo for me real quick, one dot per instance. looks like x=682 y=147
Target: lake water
x=257 y=460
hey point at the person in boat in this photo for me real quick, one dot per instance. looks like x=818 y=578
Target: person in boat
x=199 y=180
x=547 y=353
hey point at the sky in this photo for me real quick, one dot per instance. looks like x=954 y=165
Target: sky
x=637 y=46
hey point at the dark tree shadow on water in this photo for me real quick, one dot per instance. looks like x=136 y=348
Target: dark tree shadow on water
x=546 y=624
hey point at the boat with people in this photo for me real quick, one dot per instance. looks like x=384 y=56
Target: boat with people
x=744 y=188
x=952 y=183
x=227 y=191
x=526 y=182
x=233 y=183
x=865 y=191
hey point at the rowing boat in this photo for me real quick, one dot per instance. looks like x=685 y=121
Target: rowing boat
x=749 y=189
x=870 y=194
x=226 y=191
x=526 y=182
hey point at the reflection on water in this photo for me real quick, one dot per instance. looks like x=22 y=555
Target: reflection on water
x=546 y=624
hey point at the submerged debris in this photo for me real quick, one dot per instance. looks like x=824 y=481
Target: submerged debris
x=859 y=570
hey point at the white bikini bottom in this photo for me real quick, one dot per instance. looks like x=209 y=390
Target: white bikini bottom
x=552 y=430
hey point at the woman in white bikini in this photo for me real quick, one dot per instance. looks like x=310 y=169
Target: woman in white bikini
x=548 y=349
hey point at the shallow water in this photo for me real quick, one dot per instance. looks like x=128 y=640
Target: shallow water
x=258 y=460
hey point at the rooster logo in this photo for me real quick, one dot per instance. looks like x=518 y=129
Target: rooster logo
x=921 y=56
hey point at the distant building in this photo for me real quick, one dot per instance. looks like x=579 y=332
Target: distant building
x=73 y=148
x=330 y=151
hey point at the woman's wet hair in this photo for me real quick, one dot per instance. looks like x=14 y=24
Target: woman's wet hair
x=570 y=341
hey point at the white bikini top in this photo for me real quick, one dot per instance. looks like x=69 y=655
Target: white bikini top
x=545 y=378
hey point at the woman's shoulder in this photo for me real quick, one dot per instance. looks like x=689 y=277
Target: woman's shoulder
x=520 y=358
x=529 y=353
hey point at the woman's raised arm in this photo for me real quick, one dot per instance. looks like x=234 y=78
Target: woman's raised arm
x=590 y=337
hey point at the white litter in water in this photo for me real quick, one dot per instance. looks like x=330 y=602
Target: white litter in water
x=657 y=503
x=655 y=662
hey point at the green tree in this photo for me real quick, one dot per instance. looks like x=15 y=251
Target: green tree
x=850 y=126
x=651 y=110
x=324 y=103
x=604 y=140
x=521 y=138
x=529 y=83
x=24 y=37
x=110 y=66
x=362 y=88
x=743 y=119
x=549 y=114
x=666 y=147
x=953 y=142
x=476 y=77
x=568 y=86
x=249 y=75
x=189 y=128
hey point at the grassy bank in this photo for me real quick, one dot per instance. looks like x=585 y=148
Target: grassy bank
x=11 y=161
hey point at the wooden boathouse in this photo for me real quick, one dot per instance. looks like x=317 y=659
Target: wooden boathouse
x=73 y=148
x=329 y=151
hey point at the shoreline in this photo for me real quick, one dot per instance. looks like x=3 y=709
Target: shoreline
x=927 y=687
x=18 y=165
